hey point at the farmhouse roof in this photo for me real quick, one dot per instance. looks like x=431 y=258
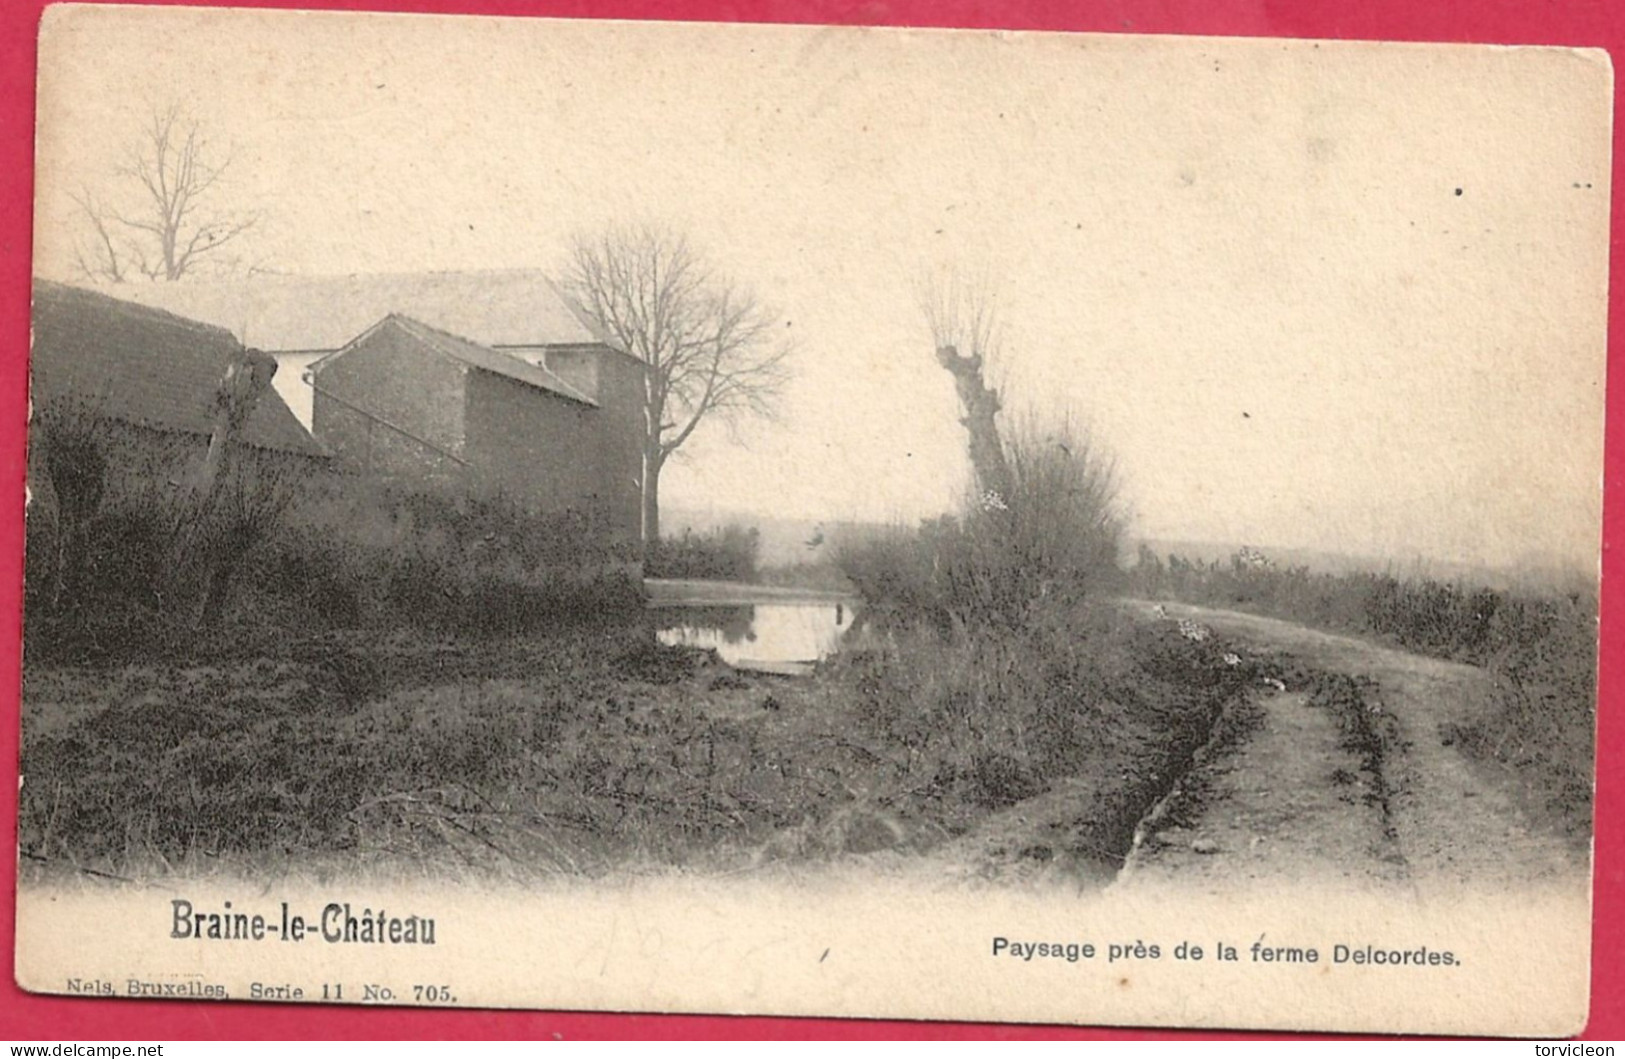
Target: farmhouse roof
x=145 y=366
x=492 y=307
x=471 y=353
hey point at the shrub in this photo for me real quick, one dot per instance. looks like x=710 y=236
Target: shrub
x=1002 y=671
x=894 y=572
x=364 y=553
x=726 y=554
x=995 y=715
x=1052 y=543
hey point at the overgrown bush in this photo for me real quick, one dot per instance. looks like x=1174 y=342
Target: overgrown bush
x=1002 y=670
x=894 y=572
x=385 y=556
x=1473 y=624
x=1005 y=560
x=124 y=551
x=992 y=716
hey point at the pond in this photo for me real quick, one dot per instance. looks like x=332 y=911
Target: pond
x=776 y=637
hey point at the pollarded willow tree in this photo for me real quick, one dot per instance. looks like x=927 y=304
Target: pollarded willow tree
x=1047 y=519
x=964 y=323
x=714 y=352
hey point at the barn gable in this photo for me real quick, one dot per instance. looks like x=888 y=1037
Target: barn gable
x=403 y=399
x=520 y=314
x=470 y=354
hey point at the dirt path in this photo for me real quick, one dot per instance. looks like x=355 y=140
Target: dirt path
x=1289 y=804
x=1293 y=801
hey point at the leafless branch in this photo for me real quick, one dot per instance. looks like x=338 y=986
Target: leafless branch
x=101 y=260
x=962 y=314
x=964 y=323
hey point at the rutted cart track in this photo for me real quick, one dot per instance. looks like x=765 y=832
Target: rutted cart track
x=1342 y=774
x=1346 y=778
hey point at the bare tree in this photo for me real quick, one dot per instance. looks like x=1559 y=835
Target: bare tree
x=166 y=222
x=713 y=351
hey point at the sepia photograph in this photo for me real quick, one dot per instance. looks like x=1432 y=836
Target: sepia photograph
x=934 y=524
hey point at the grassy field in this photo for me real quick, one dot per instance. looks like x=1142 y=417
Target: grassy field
x=415 y=682
x=584 y=752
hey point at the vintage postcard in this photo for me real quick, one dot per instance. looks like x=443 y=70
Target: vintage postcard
x=792 y=520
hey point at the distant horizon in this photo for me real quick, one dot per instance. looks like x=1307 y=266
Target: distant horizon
x=1530 y=568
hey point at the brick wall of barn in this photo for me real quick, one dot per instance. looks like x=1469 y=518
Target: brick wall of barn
x=615 y=381
x=534 y=446
x=620 y=445
x=391 y=408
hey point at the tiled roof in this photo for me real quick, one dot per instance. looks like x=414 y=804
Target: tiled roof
x=474 y=355
x=493 y=307
x=144 y=366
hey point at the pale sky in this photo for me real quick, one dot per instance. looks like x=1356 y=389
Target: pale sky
x=1347 y=297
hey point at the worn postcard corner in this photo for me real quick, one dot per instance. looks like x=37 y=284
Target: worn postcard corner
x=803 y=520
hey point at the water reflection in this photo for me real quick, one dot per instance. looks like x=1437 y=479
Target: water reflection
x=782 y=637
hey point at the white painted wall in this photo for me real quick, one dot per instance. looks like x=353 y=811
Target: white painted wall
x=290 y=383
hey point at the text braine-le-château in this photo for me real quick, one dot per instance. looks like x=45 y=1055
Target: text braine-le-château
x=339 y=924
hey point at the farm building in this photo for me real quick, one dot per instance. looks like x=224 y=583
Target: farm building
x=146 y=373
x=488 y=378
